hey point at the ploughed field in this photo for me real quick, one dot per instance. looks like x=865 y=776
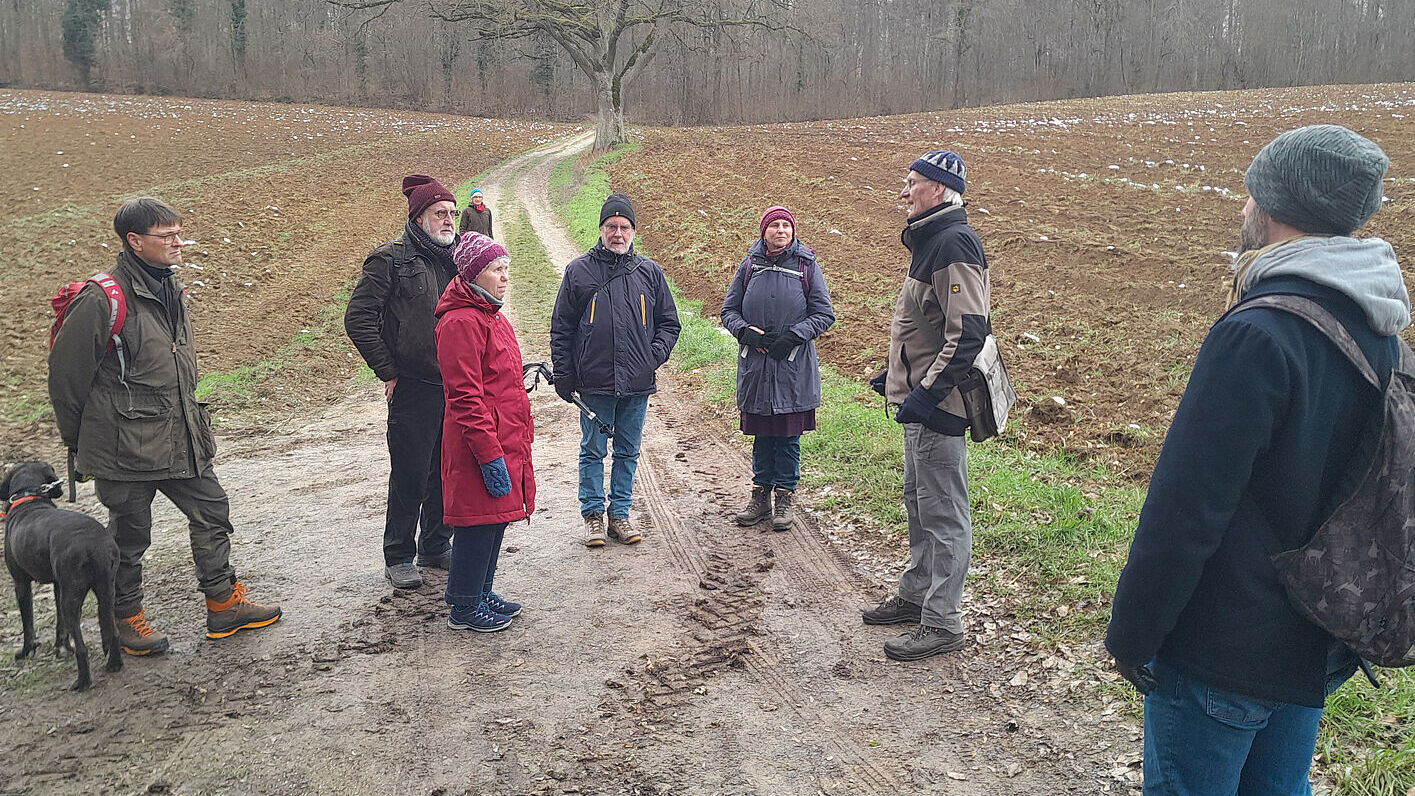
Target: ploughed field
x=1106 y=223
x=282 y=203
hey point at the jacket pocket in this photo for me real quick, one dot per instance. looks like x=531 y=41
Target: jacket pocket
x=144 y=441
x=412 y=282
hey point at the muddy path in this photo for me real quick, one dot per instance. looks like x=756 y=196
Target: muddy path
x=707 y=660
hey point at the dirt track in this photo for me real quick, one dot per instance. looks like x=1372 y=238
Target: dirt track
x=707 y=660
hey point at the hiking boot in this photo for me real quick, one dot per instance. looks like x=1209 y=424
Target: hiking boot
x=137 y=637
x=441 y=561
x=894 y=611
x=225 y=617
x=781 y=512
x=758 y=508
x=501 y=605
x=594 y=530
x=403 y=576
x=477 y=617
x=622 y=531
x=922 y=642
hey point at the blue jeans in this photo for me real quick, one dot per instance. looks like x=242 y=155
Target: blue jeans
x=626 y=415
x=475 y=550
x=776 y=461
x=1200 y=741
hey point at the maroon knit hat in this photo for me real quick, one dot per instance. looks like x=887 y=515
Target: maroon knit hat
x=474 y=253
x=776 y=213
x=422 y=191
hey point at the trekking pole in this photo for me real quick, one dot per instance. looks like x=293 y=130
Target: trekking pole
x=540 y=370
x=73 y=482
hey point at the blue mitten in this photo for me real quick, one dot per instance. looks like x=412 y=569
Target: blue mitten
x=497 y=480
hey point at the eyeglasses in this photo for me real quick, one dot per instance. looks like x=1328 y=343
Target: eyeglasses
x=620 y=228
x=168 y=239
x=442 y=215
x=910 y=182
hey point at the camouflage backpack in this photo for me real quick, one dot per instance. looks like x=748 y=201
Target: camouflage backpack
x=1356 y=577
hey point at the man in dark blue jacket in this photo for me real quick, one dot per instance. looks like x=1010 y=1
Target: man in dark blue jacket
x=1235 y=678
x=613 y=325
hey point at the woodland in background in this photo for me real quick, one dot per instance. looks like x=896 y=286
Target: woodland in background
x=836 y=58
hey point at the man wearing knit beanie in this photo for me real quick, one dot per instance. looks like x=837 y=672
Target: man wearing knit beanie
x=941 y=320
x=613 y=325
x=390 y=320
x=1235 y=677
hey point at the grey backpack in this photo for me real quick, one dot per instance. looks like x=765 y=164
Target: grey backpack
x=1356 y=577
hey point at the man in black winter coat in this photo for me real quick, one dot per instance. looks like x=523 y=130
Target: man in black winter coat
x=1235 y=678
x=390 y=319
x=613 y=325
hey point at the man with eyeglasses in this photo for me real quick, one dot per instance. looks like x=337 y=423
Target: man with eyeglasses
x=127 y=409
x=613 y=325
x=390 y=319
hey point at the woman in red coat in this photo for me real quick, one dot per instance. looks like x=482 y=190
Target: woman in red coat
x=487 y=481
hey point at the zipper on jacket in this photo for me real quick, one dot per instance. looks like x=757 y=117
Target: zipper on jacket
x=592 y=300
x=643 y=310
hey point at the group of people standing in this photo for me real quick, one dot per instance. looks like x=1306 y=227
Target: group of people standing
x=1235 y=678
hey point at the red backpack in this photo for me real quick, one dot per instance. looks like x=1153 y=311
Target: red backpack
x=117 y=309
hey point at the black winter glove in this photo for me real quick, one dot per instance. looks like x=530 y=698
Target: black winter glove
x=752 y=338
x=917 y=408
x=878 y=382
x=781 y=347
x=1139 y=676
x=565 y=388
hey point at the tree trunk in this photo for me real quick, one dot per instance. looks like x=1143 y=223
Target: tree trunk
x=609 y=128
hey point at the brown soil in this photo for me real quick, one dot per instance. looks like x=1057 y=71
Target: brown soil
x=1104 y=222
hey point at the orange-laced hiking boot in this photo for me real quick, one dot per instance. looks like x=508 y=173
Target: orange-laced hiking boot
x=137 y=637
x=225 y=617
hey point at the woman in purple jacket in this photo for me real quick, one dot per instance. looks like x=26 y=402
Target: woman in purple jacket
x=776 y=306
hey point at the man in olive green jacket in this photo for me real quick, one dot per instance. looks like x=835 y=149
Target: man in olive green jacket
x=127 y=407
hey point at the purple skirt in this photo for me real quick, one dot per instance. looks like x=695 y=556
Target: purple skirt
x=789 y=425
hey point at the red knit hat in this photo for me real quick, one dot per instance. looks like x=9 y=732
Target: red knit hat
x=776 y=213
x=422 y=191
x=474 y=253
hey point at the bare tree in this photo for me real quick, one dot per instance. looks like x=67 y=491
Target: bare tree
x=610 y=41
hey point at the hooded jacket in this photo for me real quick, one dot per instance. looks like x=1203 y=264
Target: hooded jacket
x=1251 y=466
x=614 y=323
x=138 y=420
x=390 y=313
x=941 y=316
x=487 y=416
x=768 y=293
x=474 y=220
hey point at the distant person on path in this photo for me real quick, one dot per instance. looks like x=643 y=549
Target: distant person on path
x=613 y=325
x=776 y=306
x=1235 y=678
x=477 y=216
x=940 y=323
x=486 y=463
x=128 y=410
x=390 y=319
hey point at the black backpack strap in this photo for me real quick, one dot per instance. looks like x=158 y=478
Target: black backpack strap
x=1326 y=323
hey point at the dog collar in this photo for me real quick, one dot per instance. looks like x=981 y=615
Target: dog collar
x=18 y=501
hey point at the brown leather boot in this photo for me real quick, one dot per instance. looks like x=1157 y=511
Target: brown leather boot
x=758 y=508
x=137 y=637
x=781 y=513
x=226 y=616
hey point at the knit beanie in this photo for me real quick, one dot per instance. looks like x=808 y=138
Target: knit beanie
x=776 y=213
x=942 y=166
x=474 y=196
x=474 y=253
x=1322 y=179
x=423 y=191
x=617 y=205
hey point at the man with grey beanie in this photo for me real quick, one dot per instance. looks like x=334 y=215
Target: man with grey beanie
x=1234 y=677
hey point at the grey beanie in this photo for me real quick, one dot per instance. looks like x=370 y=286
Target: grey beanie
x=1322 y=179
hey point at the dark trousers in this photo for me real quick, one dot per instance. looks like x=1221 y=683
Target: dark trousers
x=475 y=549
x=414 y=474
x=776 y=461
x=208 y=511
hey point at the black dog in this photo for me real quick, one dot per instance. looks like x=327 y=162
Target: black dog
x=66 y=548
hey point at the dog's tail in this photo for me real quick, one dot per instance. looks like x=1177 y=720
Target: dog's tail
x=105 y=575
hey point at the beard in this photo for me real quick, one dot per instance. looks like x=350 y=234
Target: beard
x=440 y=238
x=1253 y=233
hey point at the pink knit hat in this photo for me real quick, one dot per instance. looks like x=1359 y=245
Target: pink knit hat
x=474 y=253
x=776 y=213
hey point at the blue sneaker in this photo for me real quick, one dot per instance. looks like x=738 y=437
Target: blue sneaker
x=478 y=617
x=501 y=605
